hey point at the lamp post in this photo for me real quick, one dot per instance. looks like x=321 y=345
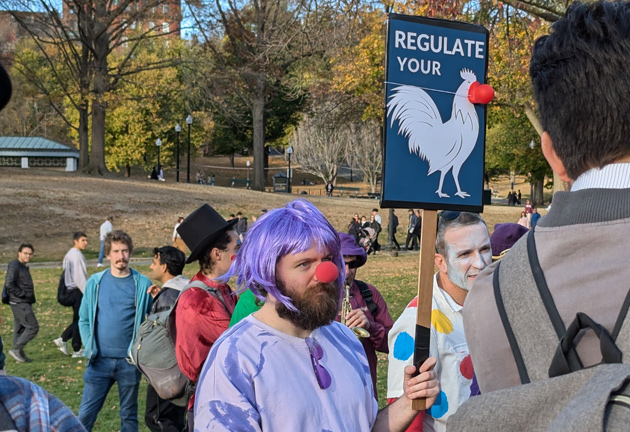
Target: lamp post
x=158 y=143
x=532 y=144
x=178 y=129
x=289 y=152
x=189 y=123
x=247 y=163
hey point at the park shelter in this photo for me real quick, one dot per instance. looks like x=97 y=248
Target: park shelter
x=29 y=152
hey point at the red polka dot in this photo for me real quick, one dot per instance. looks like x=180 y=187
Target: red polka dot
x=466 y=367
x=414 y=303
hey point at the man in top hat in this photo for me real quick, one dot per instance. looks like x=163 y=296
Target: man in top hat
x=289 y=366
x=201 y=317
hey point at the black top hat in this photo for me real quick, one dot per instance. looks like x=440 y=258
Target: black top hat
x=5 y=88
x=201 y=228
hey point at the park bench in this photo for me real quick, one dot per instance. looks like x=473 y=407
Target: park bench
x=236 y=181
x=375 y=195
x=342 y=189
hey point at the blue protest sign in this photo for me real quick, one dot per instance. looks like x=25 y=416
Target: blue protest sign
x=435 y=114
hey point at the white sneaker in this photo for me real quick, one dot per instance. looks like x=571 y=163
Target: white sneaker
x=63 y=347
x=99 y=265
x=80 y=353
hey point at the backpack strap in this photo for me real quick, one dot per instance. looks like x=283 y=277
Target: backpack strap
x=366 y=293
x=6 y=421
x=516 y=352
x=541 y=283
x=214 y=292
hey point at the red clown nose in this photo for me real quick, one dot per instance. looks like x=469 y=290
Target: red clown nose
x=233 y=257
x=326 y=272
x=480 y=93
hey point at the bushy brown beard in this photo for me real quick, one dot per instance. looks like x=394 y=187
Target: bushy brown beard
x=313 y=310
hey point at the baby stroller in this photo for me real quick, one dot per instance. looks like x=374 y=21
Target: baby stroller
x=367 y=238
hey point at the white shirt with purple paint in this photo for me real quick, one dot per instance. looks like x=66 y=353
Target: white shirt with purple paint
x=257 y=378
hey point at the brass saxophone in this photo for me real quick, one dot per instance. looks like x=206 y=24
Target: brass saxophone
x=346 y=308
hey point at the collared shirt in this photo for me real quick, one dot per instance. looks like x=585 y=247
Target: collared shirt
x=448 y=346
x=612 y=176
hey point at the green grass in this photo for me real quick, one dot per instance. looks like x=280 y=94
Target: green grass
x=396 y=279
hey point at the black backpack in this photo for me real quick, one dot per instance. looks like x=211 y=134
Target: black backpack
x=62 y=291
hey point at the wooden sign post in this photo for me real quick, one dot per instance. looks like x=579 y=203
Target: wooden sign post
x=425 y=294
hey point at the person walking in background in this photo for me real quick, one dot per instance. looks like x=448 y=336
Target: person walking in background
x=523 y=221
x=115 y=304
x=410 y=231
x=417 y=231
x=241 y=225
x=528 y=211
x=75 y=278
x=394 y=228
x=166 y=268
x=19 y=285
x=106 y=228
x=535 y=216
x=177 y=239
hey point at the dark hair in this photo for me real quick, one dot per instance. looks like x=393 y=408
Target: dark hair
x=174 y=259
x=375 y=210
x=205 y=259
x=577 y=72
x=462 y=220
x=118 y=236
x=239 y=214
x=110 y=218
x=26 y=245
x=77 y=235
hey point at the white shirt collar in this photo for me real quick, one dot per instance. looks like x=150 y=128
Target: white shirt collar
x=612 y=176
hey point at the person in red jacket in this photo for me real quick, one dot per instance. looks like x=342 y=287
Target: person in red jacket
x=200 y=317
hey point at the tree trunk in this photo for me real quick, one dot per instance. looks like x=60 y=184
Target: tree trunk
x=128 y=171
x=537 y=193
x=231 y=160
x=258 y=117
x=558 y=185
x=99 y=105
x=84 y=139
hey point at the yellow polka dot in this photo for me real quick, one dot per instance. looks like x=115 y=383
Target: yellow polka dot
x=441 y=322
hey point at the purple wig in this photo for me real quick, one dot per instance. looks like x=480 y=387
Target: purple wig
x=294 y=228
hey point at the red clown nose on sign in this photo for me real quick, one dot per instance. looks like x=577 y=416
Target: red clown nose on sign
x=326 y=272
x=480 y=93
x=233 y=257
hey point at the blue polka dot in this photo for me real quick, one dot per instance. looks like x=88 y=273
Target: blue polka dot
x=403 y=346
x=440 y=407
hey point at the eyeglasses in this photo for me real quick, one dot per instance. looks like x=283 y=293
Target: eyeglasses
x=352 y=264
x=317 y=352
x=449 y=215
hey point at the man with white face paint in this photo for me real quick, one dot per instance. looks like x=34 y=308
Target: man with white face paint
x=462 y=251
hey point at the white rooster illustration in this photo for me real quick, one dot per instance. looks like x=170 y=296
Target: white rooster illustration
x=445 y=146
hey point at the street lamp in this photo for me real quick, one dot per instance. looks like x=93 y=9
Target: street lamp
x=289 y=152
x=189 y=123
x=247 y=163
x=178 y=129
x=158 y=143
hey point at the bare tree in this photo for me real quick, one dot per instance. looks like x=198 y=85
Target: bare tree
x=366 y=151
x=319 y=147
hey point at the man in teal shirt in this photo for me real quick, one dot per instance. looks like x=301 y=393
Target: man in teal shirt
x=113 y=307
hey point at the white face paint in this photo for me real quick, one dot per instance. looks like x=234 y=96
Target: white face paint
x=468 y=252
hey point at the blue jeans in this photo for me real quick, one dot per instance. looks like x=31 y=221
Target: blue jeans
x=101 y=253
x=99 y=377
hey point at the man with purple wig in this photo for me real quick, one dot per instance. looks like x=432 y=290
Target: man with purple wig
x=290 y=366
